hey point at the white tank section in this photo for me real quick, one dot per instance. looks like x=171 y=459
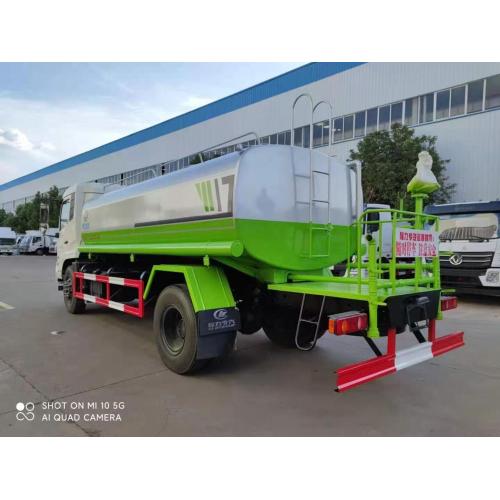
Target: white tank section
x=260 y=183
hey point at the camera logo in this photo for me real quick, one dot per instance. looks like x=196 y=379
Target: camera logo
x=25 y=411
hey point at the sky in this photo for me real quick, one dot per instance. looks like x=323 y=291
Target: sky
x=52 y=111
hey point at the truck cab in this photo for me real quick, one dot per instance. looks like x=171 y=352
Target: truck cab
x=384 y=240
x=7 y=241
x=70 y=222
x=469 y=246
x=34 y=243
x=373 y=228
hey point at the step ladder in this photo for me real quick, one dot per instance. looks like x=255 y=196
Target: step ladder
x=309 y=321
x=313 y=198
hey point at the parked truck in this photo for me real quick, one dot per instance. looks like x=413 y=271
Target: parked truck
x=245 y=242
x=470 y=246
x=39 y=242
x=374 y=226
x=7 y=241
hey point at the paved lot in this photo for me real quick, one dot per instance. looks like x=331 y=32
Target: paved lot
x=49 y=357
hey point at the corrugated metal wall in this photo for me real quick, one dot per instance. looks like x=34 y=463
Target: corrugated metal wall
x=471 y=142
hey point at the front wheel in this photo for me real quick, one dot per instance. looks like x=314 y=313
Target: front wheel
x=39 y=251
x=176 y=330
x=73 y=305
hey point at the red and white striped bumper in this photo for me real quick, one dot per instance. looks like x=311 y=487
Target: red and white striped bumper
x=371 y=369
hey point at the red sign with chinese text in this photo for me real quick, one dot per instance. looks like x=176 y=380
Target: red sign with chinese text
x=416 y=243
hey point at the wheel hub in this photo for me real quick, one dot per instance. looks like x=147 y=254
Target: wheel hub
x=173 y=330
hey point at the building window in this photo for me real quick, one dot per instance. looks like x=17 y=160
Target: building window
x=371 y=120
x=443 y=104
x=264 y=140
x=307 y=132
x=426 y=108
x=318 y=134
x=326 y=132
x=384 y=115
x=274 y=139
x=457 y=101
x=297 y=137
x=282 y=138
x=396 y=113
x=360 y=124
x=493 y=92
x=475 y=96
x=338 y=129
x=301 y=136
x=348 y=127
x=411 y=111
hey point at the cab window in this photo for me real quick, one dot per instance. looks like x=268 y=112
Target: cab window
x=372 y=219
x=67 y=210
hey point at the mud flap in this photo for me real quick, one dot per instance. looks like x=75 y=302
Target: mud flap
x=216 y=331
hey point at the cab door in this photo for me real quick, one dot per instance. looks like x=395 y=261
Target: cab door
x=67 y=244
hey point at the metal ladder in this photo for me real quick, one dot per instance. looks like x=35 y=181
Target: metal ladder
x=312 y=171
x=302 y=320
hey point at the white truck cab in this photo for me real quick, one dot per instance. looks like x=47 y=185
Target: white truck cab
x=7 y=240
x=469 y=246
x=383 y=240
x=69 y=232
x=34 y=243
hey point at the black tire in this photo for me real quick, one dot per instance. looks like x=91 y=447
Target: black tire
x=39 y=251
x=176 y=330
x=280 y=324
x=74 y=306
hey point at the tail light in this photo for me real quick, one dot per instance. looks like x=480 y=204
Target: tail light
x=348 y=322
x=448 y=302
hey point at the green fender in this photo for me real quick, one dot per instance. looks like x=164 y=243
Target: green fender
x=207 y=285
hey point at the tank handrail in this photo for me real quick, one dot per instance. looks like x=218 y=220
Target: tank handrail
x=200 y=153
x=119 y=183
x=292 y=129
x=394 y=211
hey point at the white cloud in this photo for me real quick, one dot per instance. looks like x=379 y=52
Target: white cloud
x=18 y=140
x=15 y=139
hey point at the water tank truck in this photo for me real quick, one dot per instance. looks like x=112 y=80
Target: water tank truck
x=245 y=242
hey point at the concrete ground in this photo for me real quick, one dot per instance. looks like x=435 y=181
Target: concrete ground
x=87 y=362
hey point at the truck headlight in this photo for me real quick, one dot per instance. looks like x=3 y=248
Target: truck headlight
x=493 y=276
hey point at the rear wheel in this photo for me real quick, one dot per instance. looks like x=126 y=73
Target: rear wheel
x=176 y=330
x=73 y=305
